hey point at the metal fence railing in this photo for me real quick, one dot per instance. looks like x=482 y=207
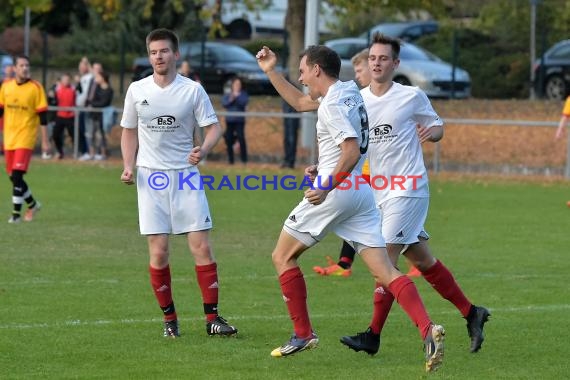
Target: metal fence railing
x=307 y=138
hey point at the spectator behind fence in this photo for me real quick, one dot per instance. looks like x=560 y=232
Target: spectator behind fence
x=102 y=97
x=235 y=101
x=83 y=80
x=64 y=119
x=186 y=70
x=52 y=102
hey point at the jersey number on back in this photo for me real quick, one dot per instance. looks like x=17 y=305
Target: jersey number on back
x=363 y=129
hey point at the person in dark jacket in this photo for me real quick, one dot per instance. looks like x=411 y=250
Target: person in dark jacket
x=102 y=98
x=236 y=100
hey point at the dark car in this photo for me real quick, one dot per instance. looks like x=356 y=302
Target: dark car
x=221 y=62
x=552 y=79
x=406 y=31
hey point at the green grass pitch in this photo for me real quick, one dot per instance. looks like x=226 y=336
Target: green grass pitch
x=76 y=302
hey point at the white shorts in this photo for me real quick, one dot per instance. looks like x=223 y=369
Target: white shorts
x=403 y=219
x=350 y=214
x=167 y=207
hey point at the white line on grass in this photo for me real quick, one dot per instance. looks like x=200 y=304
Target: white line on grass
x=55 y=282
x=22 y=326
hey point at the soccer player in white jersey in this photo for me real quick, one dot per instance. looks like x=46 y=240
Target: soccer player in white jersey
x=401 y=119
x=160 y=115
x=348 y=211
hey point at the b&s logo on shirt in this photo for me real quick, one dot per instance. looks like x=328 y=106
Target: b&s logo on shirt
x=164 y=123
x=381 y=132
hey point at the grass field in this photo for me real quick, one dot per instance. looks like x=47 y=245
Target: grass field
x=76 y=302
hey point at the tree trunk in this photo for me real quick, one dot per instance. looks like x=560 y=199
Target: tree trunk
x=295 y=27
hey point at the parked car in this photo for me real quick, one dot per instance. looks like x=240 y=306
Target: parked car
x=222 y=61
x=243 y=23
x=553 y=78
x=418 y=67
x=406 y=31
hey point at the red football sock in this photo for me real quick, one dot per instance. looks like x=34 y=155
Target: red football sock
x=207 y=276
x=160 y=282
x=383 y=300
x=294 y=292
x=409 y=299
x=441 y=279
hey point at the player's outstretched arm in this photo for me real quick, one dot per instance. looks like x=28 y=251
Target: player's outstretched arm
x=267 y=60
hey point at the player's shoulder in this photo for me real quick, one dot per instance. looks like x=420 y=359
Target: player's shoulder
x=7 y=83
x=37 y=84
x=186 y=82
x=341 y=91
x=7 y=80
x=409 y=90
x=34 y=85
x=189 y=87
x=408 y=94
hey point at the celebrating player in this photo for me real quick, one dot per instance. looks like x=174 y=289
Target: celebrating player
x=342 y=132
x=401 y=119
x=160 y=115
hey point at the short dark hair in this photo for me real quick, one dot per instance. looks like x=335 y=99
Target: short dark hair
x=379 y=38
x=20 y=56
x=163 y=34
x=327 y=59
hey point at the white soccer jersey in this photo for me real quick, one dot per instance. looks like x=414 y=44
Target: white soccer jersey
x=396 y=159
x=341 y=115
x=166 y=119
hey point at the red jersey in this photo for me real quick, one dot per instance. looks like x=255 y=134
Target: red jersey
x=65 y=96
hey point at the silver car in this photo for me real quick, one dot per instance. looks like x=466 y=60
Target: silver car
x=418 y=67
